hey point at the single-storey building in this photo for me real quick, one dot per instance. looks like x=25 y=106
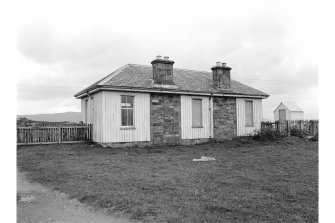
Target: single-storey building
x=288 y=111
x=157 y=104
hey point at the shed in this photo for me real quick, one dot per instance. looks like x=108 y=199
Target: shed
x=288 y=111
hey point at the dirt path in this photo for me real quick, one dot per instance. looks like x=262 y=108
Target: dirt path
x=37 y=203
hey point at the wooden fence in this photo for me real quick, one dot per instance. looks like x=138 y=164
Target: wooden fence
x=309 y=127
x=53 y=134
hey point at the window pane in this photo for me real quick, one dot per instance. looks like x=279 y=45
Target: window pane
x=249 y=114
x=123 y=99
x=196 y=113
x=124 y=117
x=127 y=105
x=130 y=117
x=127 y=101
x=130 y=101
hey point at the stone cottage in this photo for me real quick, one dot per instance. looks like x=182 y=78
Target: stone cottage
x=160 y=104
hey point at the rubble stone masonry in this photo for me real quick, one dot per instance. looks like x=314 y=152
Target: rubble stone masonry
x=165 y=119
x=224 y=118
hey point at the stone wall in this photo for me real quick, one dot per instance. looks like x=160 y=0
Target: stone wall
x=224 y=118
x=165 y=119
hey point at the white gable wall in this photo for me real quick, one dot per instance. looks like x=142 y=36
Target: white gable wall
x=243 y=130
x=276 y=112
x=94 y=114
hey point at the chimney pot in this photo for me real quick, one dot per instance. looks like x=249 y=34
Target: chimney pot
x=166 y=58
x=224 y=64
x=218 y=64
x=159 y=57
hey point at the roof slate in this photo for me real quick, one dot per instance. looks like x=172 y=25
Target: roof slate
x=140 y=76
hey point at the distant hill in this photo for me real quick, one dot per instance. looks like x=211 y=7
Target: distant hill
x=56 y=117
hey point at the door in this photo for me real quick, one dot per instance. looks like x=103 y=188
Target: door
x=282 y=114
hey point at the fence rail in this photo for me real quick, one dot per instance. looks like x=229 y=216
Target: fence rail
x=310 y=127
x=53 y=134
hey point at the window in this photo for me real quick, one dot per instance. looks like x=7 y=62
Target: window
x=249 y=121
x=127 y=111
x=196 y=113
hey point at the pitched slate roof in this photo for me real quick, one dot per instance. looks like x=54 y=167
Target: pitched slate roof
x=140 y=76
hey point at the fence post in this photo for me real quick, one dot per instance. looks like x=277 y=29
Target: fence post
x=313 y=127
x=288 y=128
x=91 y=131
x=59 y=134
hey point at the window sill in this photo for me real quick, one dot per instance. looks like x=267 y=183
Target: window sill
x=249 y=125
x=127 y=128
x=197 y=127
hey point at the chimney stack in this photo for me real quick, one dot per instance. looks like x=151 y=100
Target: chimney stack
x=221 y=75
x=162 y=70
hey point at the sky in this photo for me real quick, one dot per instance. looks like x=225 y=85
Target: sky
x=64 y=46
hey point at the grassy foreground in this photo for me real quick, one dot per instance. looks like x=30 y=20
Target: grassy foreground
x=248 y=182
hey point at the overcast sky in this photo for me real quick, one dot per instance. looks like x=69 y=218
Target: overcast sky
x=64 y=46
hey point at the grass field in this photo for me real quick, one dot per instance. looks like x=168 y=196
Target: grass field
x=249 y=181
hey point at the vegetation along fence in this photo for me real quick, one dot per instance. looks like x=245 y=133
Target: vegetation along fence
x=309 y=127
x=54 y=134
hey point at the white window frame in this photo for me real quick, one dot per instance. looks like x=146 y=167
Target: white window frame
x=125 y=108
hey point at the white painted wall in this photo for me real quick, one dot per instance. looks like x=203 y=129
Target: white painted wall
x=94 y=111
x=243 y=130
x=113 y=132
x=83 y=109
x=104 y=112
x=297 y=115
x=187 y=132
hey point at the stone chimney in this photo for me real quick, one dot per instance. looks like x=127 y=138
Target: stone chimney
x=162 y=70
x=221 y=75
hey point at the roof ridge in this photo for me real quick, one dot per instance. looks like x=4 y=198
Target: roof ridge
x=208 y=72
x=175 y=68
x=113 y=74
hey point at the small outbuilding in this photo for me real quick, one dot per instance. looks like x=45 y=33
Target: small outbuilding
x=288 y=111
